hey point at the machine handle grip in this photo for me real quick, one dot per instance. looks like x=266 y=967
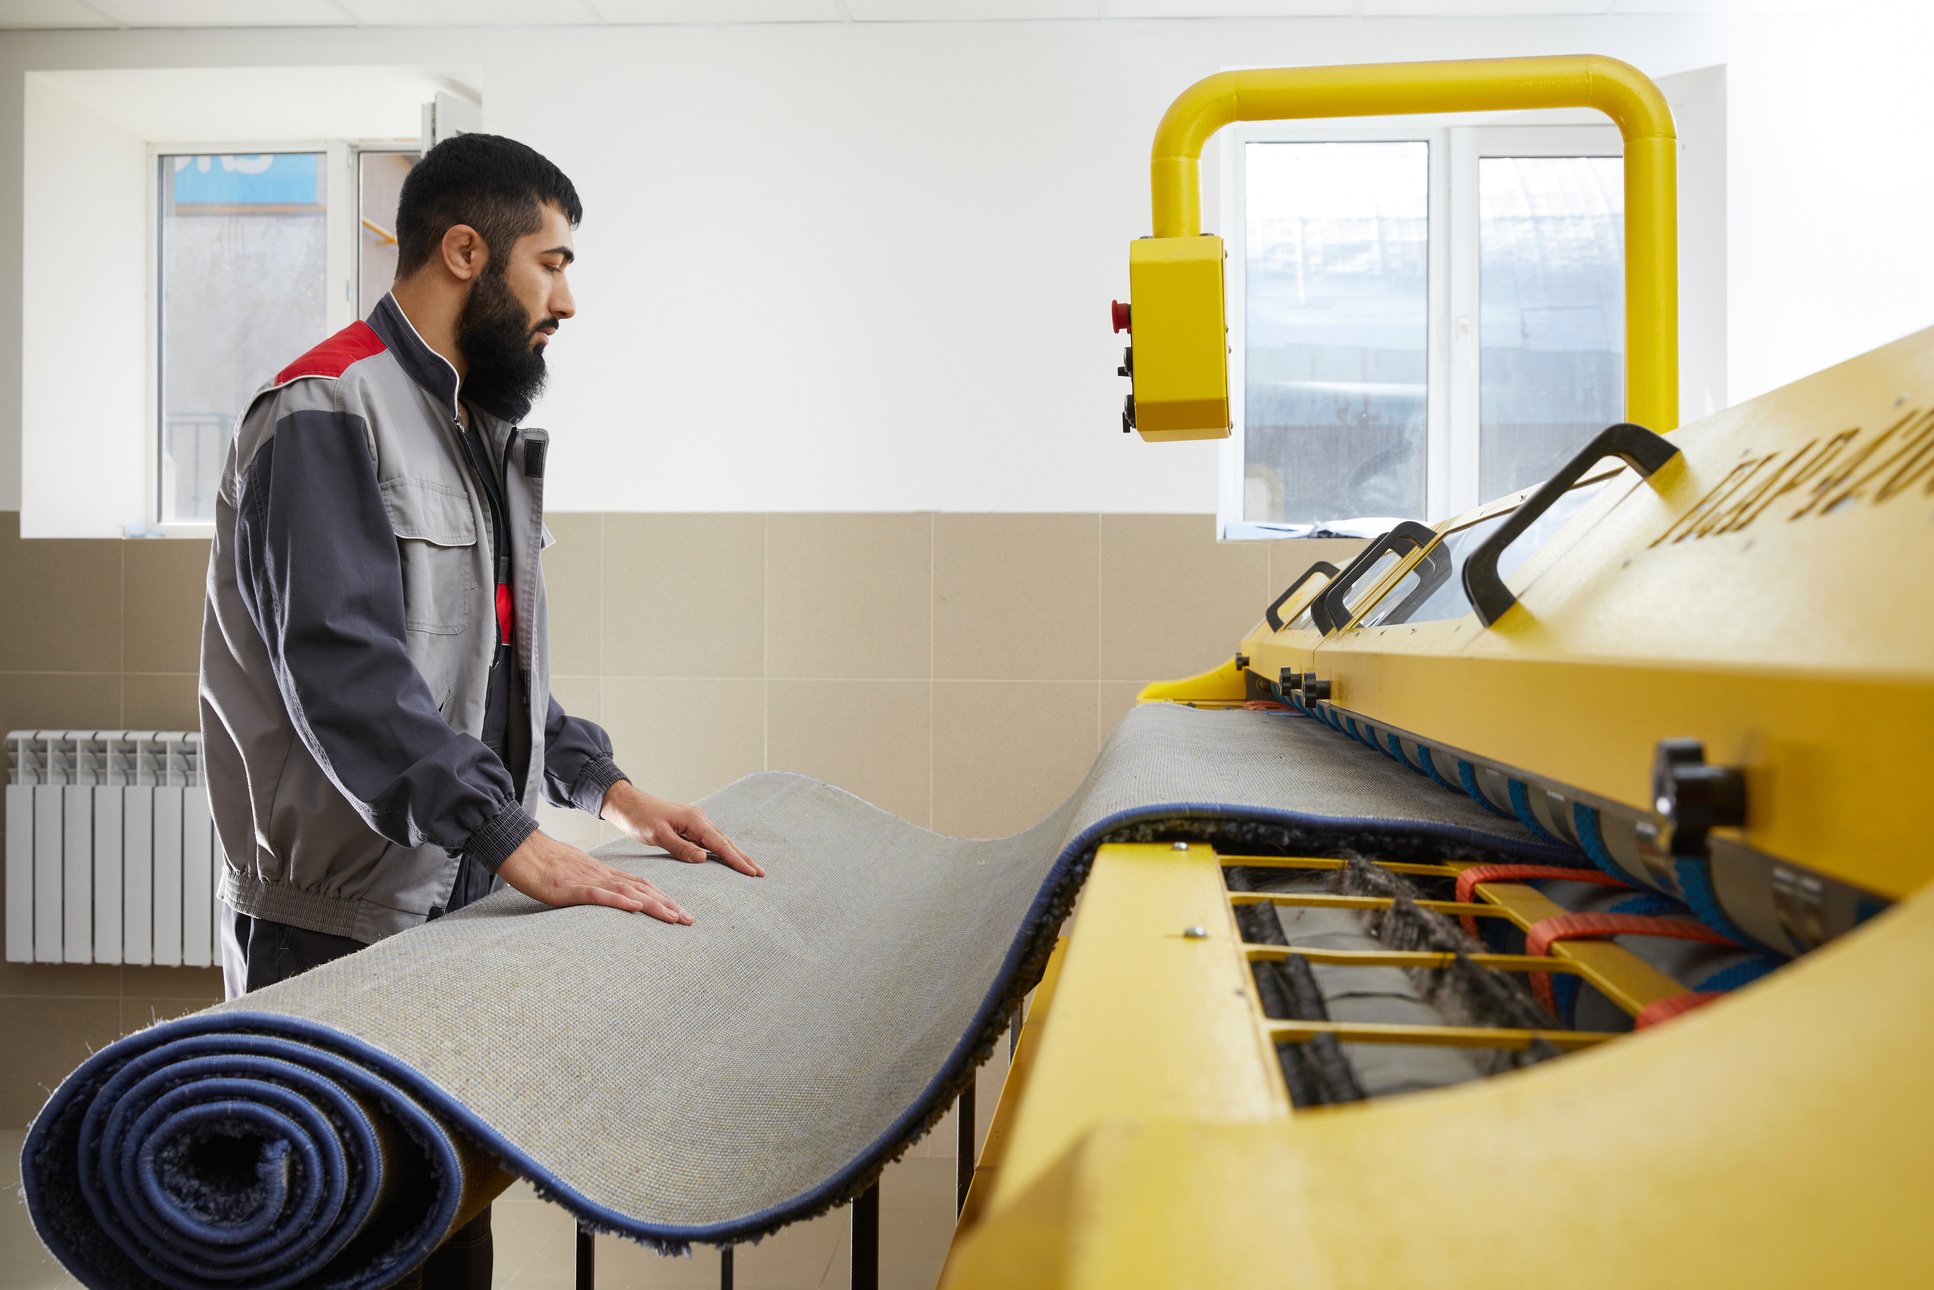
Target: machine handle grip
x=1318 y=611
x=1275 y=618
x=1331 y=610
x=1638 y=447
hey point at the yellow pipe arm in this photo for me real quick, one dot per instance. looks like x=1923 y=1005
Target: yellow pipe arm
x=1617 y=89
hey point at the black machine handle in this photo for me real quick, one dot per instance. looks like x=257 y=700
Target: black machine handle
x=1638 y=447
x=1275 y=618
x=1318 y=613
x=1432 y=568
x=1331 y=611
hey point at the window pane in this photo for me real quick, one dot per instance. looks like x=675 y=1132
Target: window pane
x=1336 y=327
x=242 y=282
x=1551 y=312
x=379 y=182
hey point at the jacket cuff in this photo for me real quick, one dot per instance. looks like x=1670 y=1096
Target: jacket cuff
x=502 y=834
x=593 y=782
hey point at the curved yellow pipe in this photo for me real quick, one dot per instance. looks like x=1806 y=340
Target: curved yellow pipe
x=1617 y=89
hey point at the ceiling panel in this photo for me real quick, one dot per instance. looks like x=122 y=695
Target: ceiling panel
x=24 y=14
x=718 y=11
x=1228 y=8
x=49 y=13
x=1479 y=8
x=224 y=13
x=1744 y=7
x=472 y=13
x=968 y=10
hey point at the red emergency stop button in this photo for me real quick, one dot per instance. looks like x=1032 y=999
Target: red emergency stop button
x=1120 y=312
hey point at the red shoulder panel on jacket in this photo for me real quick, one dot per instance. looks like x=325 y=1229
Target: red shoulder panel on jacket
x=333 y=357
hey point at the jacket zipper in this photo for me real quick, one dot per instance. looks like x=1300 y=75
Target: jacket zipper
x=499 y=522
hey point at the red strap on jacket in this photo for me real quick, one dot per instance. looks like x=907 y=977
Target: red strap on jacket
x=1542 y=935
x=1468 y=881
x=503 y=613
x=1671 y=1006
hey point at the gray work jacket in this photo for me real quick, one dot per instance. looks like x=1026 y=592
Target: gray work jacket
x=347 y=642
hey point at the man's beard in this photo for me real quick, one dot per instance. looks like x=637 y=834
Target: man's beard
x=494 y=334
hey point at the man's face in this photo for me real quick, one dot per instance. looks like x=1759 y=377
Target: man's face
x=514 y=309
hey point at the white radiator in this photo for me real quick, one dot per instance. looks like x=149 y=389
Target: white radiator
x=111 y=855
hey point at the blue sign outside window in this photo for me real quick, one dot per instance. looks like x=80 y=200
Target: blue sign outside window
x=262 y=179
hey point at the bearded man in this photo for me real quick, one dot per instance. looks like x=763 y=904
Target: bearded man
x=376 y=713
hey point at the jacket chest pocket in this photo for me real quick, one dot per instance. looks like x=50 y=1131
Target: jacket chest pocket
x=436 y=541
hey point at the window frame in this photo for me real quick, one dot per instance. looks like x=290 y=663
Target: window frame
x=357 y=150
x=1470 y=145
x=339 y=267
x=1451 y=333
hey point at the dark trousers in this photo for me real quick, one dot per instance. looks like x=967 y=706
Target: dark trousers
x=255 y=953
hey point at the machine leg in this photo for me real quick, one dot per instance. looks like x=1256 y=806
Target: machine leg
x=964 y=1146
x=587 y=1273
x=866 y=1239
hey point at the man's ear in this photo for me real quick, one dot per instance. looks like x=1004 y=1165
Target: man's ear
x=464 y=252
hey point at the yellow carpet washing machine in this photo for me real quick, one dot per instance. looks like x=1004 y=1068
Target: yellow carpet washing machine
x=1703 y=659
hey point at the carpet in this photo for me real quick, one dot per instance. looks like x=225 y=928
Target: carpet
x=673 y=1085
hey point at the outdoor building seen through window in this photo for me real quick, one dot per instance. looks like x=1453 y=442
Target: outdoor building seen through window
x=1410 y=353
x=1551 y=312
x=245 y=282
x=242 y=254
x=1336 y=297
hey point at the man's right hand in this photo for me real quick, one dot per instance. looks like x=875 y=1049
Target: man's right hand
x=560 y=874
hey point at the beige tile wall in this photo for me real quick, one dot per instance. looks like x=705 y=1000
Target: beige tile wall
x=103 y=635
x=958 y=670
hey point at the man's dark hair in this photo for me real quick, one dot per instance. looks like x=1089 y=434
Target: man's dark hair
x=497 y=186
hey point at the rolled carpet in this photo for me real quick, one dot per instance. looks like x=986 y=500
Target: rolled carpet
x=709 y=1083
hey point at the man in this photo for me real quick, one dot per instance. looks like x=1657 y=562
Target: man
x=375 y=688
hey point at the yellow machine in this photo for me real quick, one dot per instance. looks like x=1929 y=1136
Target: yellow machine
x=1704 y=659
x=1178 y=356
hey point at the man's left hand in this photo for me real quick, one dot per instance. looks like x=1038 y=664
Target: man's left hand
x=684 y=831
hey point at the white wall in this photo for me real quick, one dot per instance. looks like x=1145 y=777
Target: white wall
x=1831 y=201
x=866 y=267
x=84 y=332
x=1698 y=101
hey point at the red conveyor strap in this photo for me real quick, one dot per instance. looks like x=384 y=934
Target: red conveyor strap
x=1468 y=880
x=1542 y=935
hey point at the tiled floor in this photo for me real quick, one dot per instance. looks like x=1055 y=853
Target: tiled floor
x=536 y=1250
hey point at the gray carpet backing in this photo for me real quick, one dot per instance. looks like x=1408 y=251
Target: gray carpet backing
x=672 y=1084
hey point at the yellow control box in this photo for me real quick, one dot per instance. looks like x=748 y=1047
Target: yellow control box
x=1180 y=343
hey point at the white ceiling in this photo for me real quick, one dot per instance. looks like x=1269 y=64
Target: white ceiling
x=20 y=14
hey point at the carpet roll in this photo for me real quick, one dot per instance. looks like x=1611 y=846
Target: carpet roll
x=709 y=1083
x=205 y=1153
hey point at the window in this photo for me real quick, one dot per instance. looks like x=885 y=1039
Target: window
x=247 y=245
x=379 y=184
x=1422 y=319
x=1550 y=308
